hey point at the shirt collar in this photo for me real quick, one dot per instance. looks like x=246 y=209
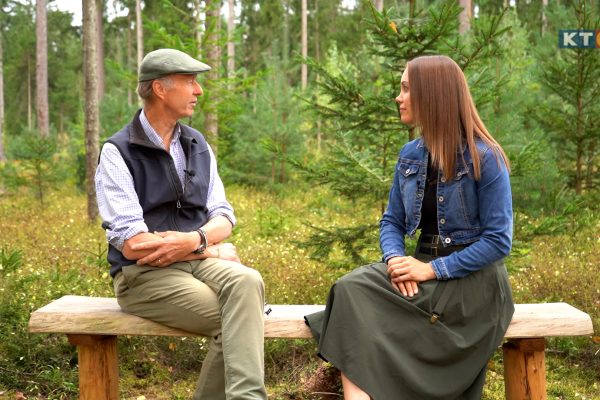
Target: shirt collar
x=151 y=133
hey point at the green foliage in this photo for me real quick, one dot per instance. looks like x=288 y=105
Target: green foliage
x=263 y=23
x=41 y=259
x=570 y=112
x=45 y=258
x=115 y=113
x=344 y=143
x=272 y=29
x=19 y=350
x=267 y=130
x=270 y=221
x=19 y=31
x=353 y=241
x=10 y=260
x=355 y=103
x=64 y=68
x=36 y=166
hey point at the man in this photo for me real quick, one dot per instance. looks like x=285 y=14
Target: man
x=166 y=216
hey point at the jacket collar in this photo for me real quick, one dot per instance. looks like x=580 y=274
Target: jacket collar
x=462 y=146
x=138 y=136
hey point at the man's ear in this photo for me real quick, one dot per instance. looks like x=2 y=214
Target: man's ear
x=159 y=89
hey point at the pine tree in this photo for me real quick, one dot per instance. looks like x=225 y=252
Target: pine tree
x=269 y=125
x=570 y=113
x=360 y=118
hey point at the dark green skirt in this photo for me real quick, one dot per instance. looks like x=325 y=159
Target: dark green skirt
x=387 y=344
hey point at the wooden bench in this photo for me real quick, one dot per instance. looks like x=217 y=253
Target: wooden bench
x=94 y=323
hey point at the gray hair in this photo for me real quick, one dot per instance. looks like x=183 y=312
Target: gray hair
x=144 y=89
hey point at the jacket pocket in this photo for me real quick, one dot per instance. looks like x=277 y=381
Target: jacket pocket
x=408 y=169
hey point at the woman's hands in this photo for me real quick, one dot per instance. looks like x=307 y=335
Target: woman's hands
x=405 y=272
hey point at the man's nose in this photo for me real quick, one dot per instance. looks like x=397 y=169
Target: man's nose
x=198 y=89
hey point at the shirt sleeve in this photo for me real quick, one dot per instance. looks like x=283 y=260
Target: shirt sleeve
x=118 y=203
x=216 y=202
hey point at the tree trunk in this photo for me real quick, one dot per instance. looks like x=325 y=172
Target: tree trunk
x=199 y=24
x=317 y=33
x=579 y=167
x=379 y=5
x=304 y=39
x=544 y=18
x=273 y=172
x=139 y=29
x=61 y=118
x=100 y=47
x=213 y=57
x=129 y=57
x=591 y=155
x=91 y=116
x=230 y=39
x=286 y=34
x=29 y=105
x=282 y=162
x=318 y=57
x=41 y=69
x=465 y=16
x=2 y=152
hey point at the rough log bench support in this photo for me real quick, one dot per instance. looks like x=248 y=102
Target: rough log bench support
x=94 y=323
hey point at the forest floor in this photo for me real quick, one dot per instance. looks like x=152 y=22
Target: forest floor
x=59 y=253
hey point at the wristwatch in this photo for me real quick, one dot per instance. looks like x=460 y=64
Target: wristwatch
x=203 y=241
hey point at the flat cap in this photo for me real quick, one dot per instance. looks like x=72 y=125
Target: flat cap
x=163 y=62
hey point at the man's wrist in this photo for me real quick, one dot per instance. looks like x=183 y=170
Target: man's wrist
x=203 y=244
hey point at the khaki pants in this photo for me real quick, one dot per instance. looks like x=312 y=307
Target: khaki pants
x=212 y=297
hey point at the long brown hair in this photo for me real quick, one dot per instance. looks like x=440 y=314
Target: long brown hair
x=445 y=113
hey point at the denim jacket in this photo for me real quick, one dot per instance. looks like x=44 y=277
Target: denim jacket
x=472 y=212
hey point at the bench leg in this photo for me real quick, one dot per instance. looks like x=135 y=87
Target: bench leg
x=525 y=369
x=98 y=366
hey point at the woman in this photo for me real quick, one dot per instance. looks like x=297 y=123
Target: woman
x=424 y=327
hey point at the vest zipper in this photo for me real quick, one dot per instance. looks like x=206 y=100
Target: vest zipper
x=174 y=187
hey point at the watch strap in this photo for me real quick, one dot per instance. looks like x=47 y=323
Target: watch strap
x=203 y=241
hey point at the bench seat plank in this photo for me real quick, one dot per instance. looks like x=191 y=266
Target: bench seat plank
x=548 y=319
x=103 y=316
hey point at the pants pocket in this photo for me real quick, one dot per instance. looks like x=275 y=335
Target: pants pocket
x=129 y=274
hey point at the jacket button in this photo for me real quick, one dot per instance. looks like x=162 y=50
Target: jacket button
x=407 y=171
x=447 y=240
x=443 y=179
x=443 y=221
x=441 y=199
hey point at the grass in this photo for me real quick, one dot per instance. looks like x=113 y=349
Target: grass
x=46 y=253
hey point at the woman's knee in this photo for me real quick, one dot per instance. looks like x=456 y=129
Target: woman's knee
x=361 y=276
x=346 y=283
